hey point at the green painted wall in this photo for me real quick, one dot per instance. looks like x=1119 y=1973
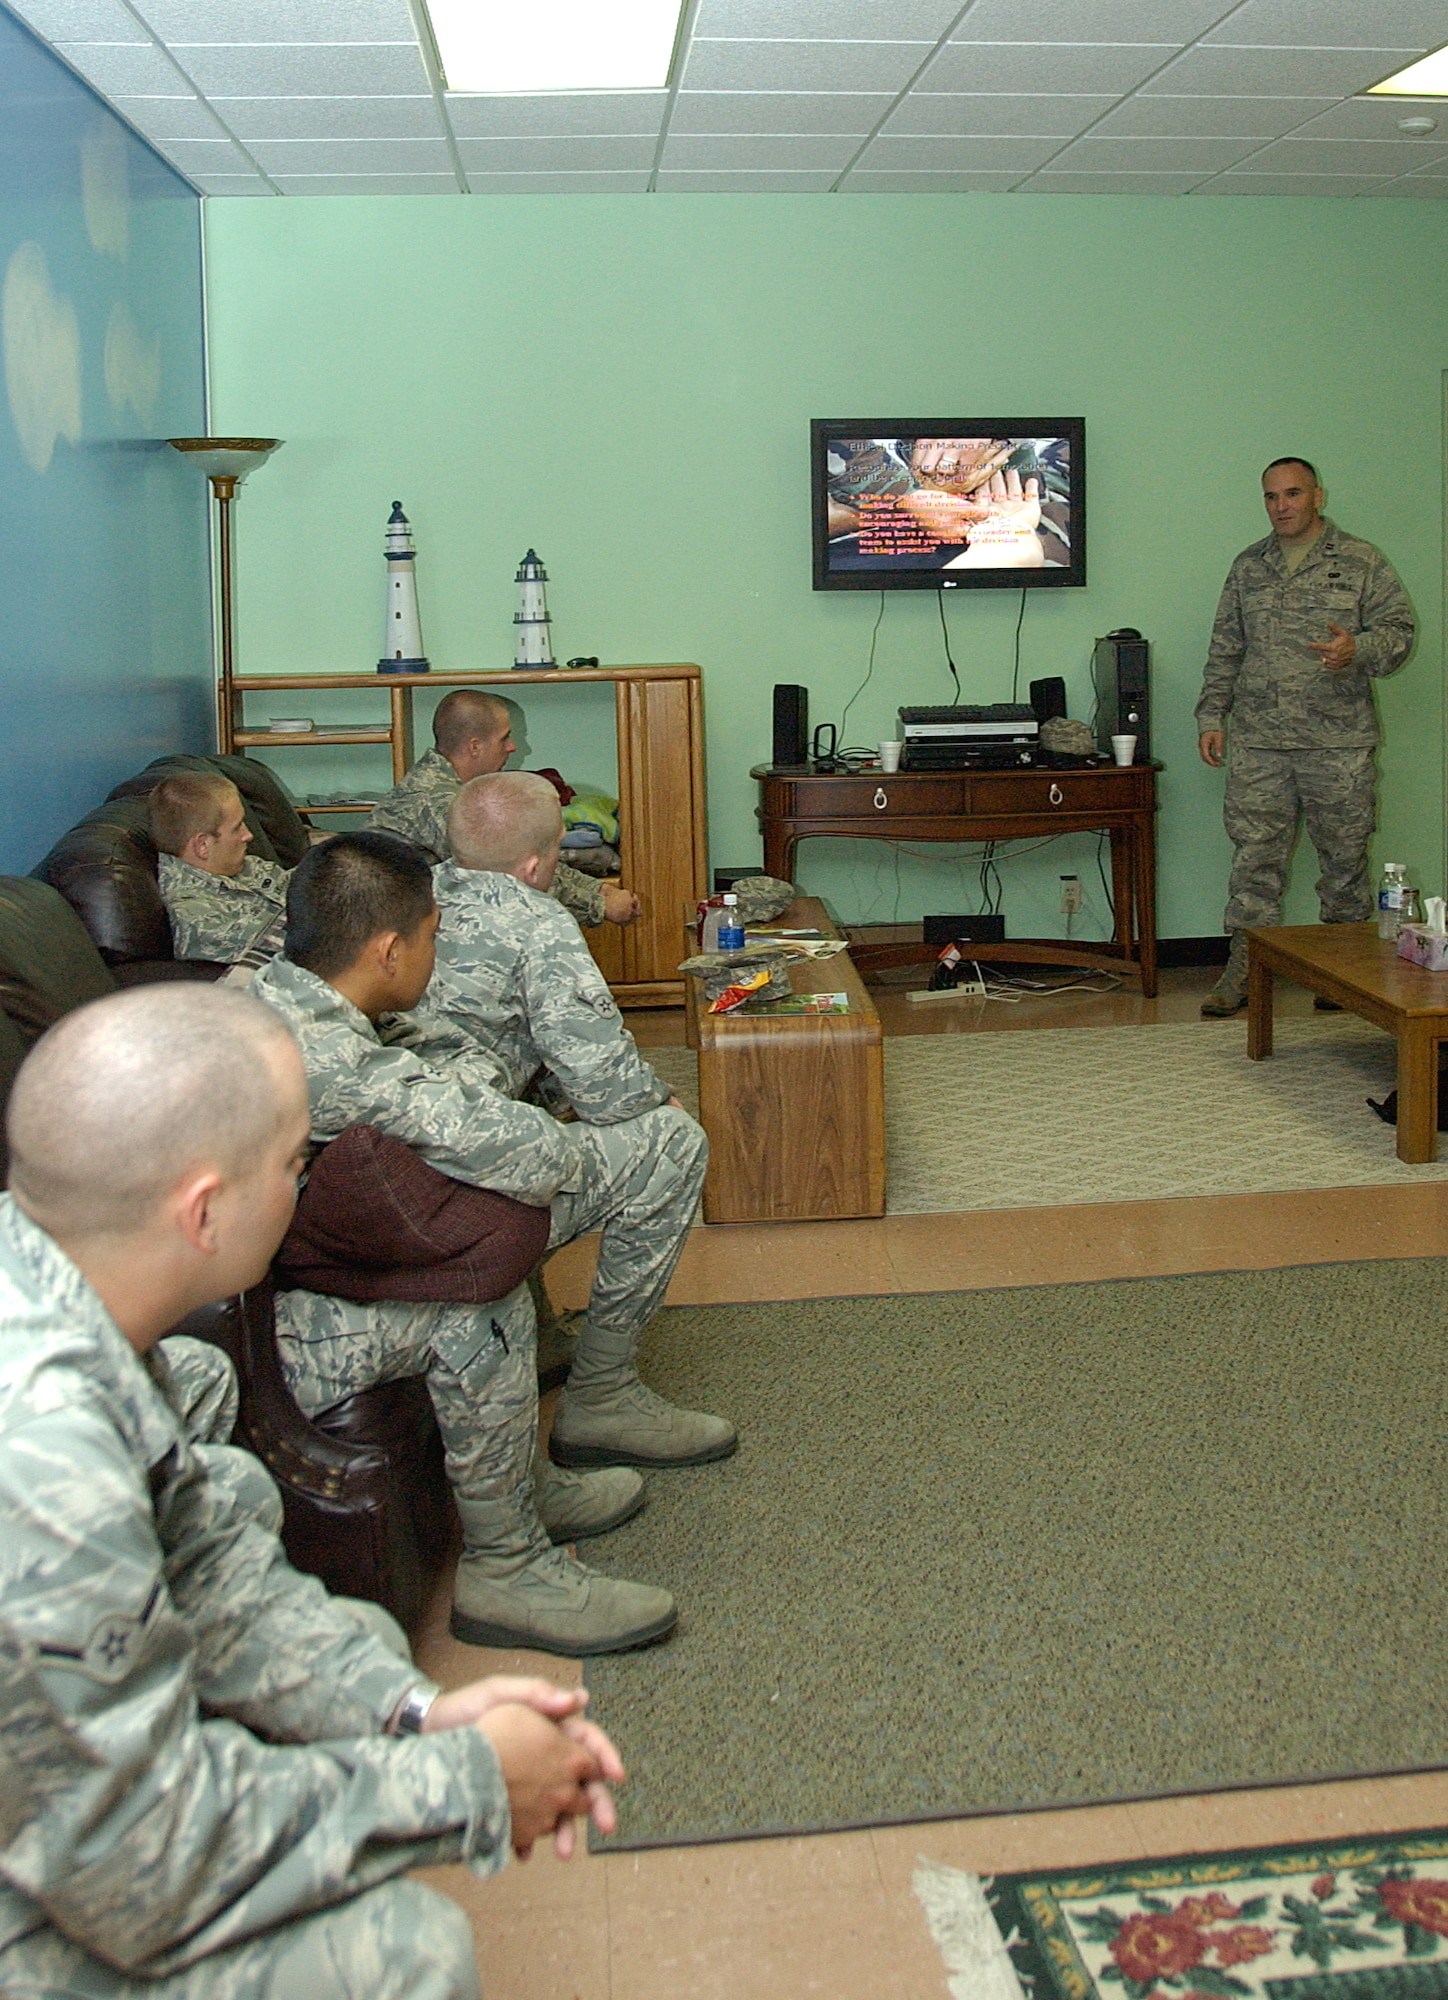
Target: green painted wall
x=626 y=383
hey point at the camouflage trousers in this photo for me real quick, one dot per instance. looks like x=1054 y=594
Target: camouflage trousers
x=639 y=1185
x=400 y=1941
x=1267 y=792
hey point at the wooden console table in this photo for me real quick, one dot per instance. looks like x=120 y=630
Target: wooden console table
x=659 y=716
x=1351 y=964
x=985 y=805
x=794 y=1104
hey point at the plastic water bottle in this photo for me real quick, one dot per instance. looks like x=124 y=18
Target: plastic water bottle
x=1392 y=893
x=731 y=926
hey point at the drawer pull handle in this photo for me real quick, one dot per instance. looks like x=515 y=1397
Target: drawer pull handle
x=1055 y=795
x=881 y=801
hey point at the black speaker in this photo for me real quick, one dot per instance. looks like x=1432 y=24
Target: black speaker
x=1048 y=698
x=791 y=727
x=1121 y=669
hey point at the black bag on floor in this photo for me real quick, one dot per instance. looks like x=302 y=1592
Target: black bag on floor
x=1388 y=1109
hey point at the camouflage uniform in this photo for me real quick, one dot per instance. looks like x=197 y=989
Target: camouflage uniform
x=418 y=810
x=514 y=971
x=199 y=1801
x=225 y=917
x=427 y=1082
x=1302 y=736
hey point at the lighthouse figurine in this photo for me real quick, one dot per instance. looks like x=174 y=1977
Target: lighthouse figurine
x=402 y=642
x=535 y=642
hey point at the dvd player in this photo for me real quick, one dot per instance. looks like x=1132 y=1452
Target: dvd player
x=967 y=736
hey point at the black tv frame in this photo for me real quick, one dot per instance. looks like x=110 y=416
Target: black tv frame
x=1071 y=577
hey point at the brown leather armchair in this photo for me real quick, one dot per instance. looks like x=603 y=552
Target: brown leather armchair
x=105 y=866
x=368 y=1508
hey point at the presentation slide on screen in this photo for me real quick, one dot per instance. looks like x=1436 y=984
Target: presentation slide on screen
x=942 y=503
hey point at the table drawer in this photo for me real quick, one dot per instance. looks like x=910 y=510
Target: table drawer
x=1057 y=791
x=875 y=795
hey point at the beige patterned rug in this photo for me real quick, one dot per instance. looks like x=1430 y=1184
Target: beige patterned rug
x=1036 y=1118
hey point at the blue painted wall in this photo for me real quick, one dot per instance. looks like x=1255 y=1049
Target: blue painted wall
x=105 y=651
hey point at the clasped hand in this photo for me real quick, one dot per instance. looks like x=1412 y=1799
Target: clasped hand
x=557 y=1766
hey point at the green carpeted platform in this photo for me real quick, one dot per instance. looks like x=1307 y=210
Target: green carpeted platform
x=993 y=1550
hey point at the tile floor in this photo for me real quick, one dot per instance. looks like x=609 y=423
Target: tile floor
x=834 y=1915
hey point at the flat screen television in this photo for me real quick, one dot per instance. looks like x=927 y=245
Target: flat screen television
x=973 y=503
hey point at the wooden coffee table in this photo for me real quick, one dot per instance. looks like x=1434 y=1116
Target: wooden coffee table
x=1351 y=964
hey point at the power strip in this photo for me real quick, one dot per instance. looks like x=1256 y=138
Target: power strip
x=964 y=989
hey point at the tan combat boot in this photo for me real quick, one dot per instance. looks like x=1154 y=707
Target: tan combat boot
x=574 y=1505
x=551 y=1603
x=1229 y=995
x=621 y=1422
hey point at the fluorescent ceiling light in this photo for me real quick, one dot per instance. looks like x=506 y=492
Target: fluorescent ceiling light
x=1428 y=77
x=488 y=47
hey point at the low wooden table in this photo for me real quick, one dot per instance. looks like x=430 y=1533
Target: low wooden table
x=794 y=1104
x=1351 y=964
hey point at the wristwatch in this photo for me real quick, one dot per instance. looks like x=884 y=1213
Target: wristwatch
x=410 y=1717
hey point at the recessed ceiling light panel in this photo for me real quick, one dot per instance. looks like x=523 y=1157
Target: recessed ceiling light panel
x=1428 y=77
x=488 y=48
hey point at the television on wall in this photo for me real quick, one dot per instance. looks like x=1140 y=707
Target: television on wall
x=971 y=503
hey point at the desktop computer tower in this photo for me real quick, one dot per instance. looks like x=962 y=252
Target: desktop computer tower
x=1121 y=670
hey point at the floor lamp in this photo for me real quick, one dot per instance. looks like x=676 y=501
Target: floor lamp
x=226 y=462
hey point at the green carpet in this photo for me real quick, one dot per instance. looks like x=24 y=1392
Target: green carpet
x=994 y=1550
x=975 y=1120
x=1344 y=1919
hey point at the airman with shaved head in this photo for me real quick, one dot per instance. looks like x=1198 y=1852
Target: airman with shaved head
x=223 y=903
x=204 y=1796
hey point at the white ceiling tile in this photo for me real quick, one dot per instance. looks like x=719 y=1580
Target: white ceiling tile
x=557 y=155
x=1426 y=189
x=869 y=182
x=308 y=70
x=330 y=184
x=703 y=183
x=1095 y=154
x=772 y=151
x=230 y=184
x=254 y=119
x=1341 y=185
x=1348 y=156
x=607 y=183
x=840 y=111
x=1374 y=118
x=1434 y=172
x=207 y=156
x=963 y=114
x=80 y=20
x=1063 y=183
x=1208 y=117
x=827 y=20
x=163 y=119
x=264 y=21
x=1173 y=21
x=1336 y=24
x=1033 y=66
x=352 y=156
x=912 y=155
x=581 y=114
x=799 y=65
x=125 y=71
x=1234 y=72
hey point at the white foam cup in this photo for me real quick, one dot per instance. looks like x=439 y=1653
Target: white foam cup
x=1123 y=749
x=890 y=756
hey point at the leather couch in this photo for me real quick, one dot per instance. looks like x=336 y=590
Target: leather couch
x=368 y=1507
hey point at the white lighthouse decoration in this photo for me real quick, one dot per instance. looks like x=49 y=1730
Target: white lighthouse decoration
x=535 y=642
x=402 y=642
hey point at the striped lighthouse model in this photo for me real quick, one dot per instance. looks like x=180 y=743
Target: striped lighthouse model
x=534 y=645
x=402 y=643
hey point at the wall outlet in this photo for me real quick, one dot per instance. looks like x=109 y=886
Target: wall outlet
x=1070 y=895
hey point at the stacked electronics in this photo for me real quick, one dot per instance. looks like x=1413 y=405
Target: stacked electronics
x=1000 y=735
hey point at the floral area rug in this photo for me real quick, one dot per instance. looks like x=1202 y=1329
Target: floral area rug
x=1341 y=1920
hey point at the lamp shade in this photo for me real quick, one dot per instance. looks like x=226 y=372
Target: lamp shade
x=226 y=458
